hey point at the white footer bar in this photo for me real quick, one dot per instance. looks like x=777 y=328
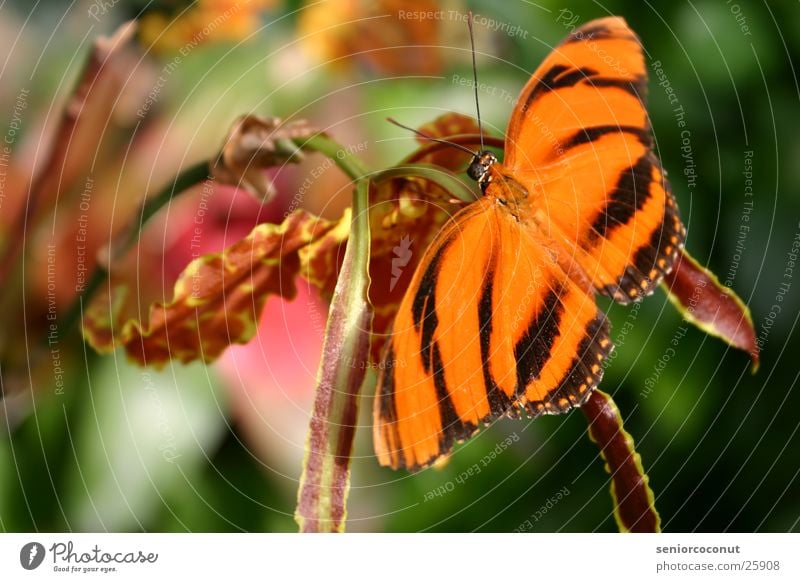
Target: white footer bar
x=406 y=557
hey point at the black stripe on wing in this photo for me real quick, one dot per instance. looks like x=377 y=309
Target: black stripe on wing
x=563 y=76
x=628 y=196
x=654 y=259
x=584 y=373
x=533 y=349
x=499 y=402
x=597 y=132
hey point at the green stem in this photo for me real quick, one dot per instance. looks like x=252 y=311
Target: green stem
x=349 y=163
x=325 y=481
x=443 y=178
x=182 y=182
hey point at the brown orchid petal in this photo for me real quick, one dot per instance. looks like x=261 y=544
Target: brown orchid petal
x=216 y=300
x=254 y=144
x=404 y=220
x=320 y=261
x=634 y=503
x=714 y=308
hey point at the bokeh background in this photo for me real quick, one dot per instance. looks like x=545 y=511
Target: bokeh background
x=110 y=446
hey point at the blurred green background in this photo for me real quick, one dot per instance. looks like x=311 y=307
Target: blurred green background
x=203 y=449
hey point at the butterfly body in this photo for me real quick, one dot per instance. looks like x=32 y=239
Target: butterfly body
x=500 y=316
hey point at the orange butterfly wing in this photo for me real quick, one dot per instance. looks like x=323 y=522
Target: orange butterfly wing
x=580 y=136
x=501 y=310
x=490 y=320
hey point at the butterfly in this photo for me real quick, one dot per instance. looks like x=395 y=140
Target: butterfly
x=501 y=315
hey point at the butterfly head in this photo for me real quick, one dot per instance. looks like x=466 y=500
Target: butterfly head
x=479 y=168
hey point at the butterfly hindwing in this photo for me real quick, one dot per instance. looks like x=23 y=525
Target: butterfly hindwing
x=547 y=318
x=581 y=137
x=490 y=323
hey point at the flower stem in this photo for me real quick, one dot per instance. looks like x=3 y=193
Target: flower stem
x=349 y=163
x=325 y=481
x=443 y=178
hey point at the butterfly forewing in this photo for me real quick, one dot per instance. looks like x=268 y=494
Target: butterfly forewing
x=580 y=135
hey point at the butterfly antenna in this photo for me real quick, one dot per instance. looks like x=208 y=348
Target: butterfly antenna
x=475 y=76
x=424 y=135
